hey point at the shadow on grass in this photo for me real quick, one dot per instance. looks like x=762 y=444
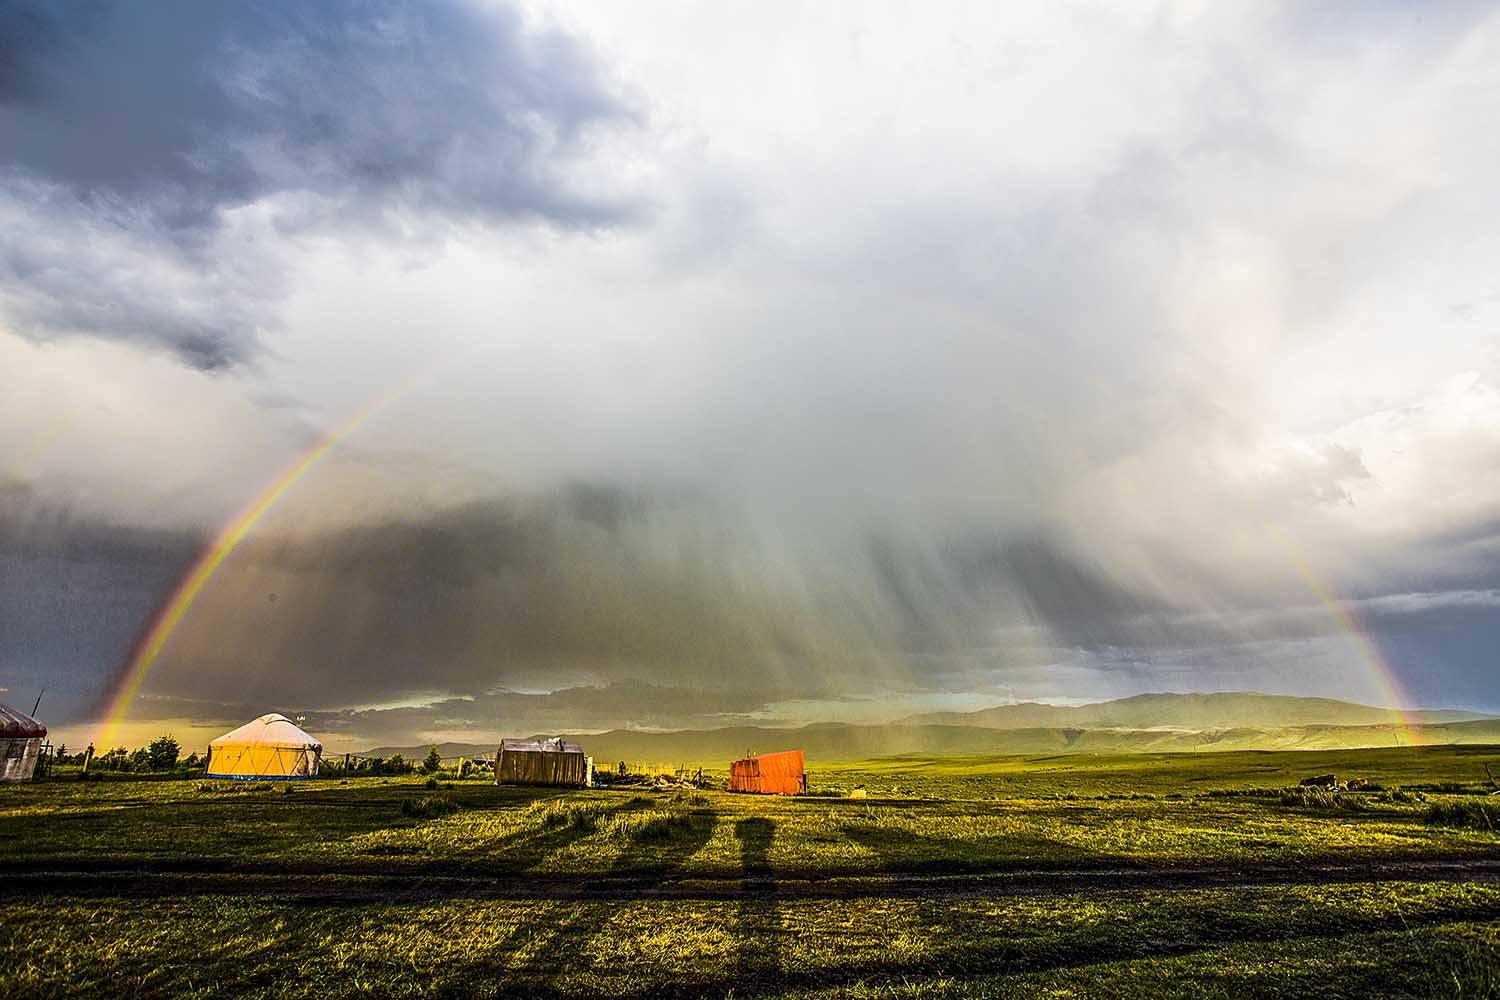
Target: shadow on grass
x=661 y=847
x=965 y=946
x=758 y=921
x=523 y=851
x=115 y=828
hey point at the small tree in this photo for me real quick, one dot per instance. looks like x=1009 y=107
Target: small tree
x=114 y=760
x=433 y=761
x=161 y=755
x=140 y=760
x=397 y=764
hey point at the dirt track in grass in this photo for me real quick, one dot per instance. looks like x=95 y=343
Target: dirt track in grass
x=185 y=878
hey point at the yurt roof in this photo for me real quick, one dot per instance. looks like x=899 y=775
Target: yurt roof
x=557 y=745
x=18 y=725
x=274 y=729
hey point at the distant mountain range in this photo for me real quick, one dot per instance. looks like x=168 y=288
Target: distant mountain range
x=1187 y=711
x=1145 y=723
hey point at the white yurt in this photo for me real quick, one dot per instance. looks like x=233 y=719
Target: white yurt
x=21 y=739
x=272 y=746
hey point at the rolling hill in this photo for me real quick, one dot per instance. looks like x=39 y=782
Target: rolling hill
x=1195 y=712
x=1149 y=723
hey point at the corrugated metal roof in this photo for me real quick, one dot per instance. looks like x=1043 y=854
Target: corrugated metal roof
x=18 y=725
x=555 y=745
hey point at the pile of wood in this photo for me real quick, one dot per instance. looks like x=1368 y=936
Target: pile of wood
x=682 y=778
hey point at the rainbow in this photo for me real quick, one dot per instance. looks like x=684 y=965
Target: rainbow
x=1346 y=619
x=158 y=629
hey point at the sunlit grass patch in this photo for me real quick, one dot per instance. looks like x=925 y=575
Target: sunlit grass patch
x=1396 y=938
x=589 y=893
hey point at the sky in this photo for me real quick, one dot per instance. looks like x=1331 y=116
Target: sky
x=692 y=365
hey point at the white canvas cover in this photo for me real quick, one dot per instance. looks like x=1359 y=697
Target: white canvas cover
x=271 y=746
x=21 y=739
x=18 y=758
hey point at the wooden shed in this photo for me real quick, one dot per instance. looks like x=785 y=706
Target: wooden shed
x=543 y=762
x=783 y=773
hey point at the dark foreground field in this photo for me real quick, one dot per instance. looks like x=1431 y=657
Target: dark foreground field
x=1151 y=876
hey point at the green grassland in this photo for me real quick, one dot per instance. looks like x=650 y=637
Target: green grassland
x=1134 y=875
x=832 y=741
x=979 y=776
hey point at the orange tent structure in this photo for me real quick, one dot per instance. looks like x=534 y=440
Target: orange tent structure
x=783 y=773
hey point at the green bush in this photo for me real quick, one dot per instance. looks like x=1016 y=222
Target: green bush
x=162 y=753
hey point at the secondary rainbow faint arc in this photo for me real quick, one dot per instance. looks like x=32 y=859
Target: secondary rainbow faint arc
x=159 y=628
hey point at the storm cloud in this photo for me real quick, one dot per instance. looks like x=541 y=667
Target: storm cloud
x=154 y=156
x=770 y=367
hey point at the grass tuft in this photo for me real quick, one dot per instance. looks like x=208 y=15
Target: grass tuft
x=652 y=826
x=232 y=787
x=428 y=806
x=1324 y=799
x=559 y=815
x=1465 y=814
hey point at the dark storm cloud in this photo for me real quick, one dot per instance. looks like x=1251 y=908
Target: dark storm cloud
x=558 y=591
x=528 y=594
x=556 y=612
x=562 y=593
x=133 y=133
x=74 y=592
x=616 y=705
